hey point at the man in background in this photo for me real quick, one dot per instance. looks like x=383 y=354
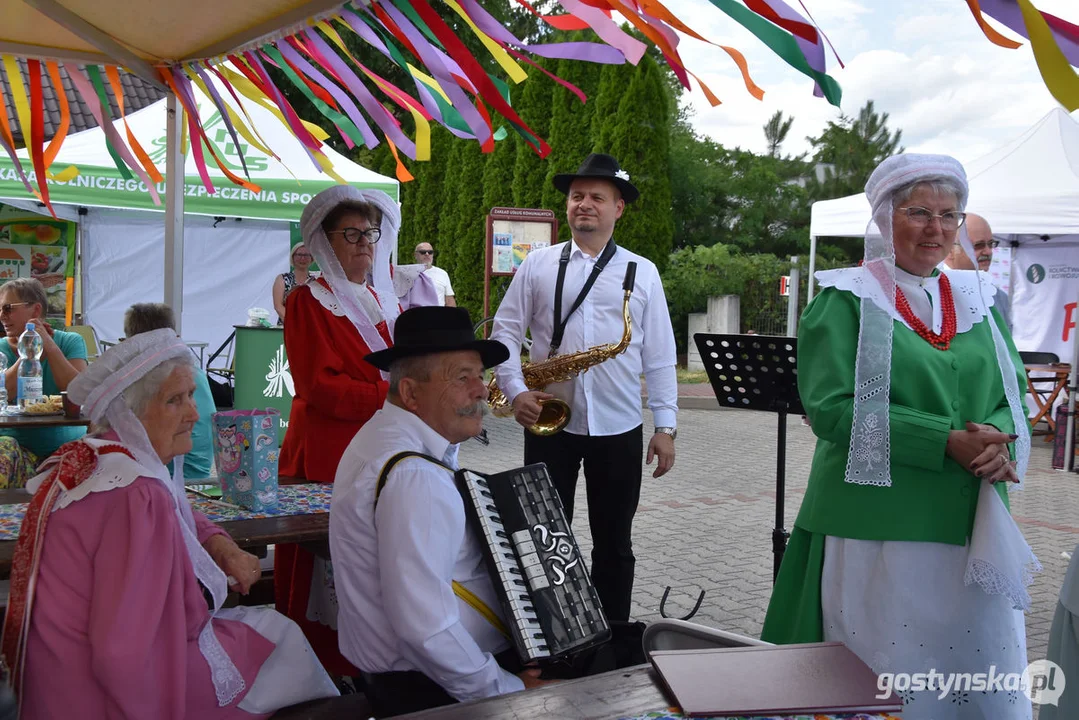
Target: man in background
x=981 y=237
x=425 y=255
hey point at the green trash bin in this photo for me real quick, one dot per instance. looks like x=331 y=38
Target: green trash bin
x=263 y=379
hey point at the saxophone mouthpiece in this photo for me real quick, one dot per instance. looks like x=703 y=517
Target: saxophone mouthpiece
x=631 y=274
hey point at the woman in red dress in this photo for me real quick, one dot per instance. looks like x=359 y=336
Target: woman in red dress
x=333 y=323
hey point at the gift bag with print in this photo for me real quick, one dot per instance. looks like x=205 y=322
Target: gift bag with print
x=246 y=455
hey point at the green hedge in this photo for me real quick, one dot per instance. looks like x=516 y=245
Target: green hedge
x=695 y=274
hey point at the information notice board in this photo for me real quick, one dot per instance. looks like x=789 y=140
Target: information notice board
x=512 y=233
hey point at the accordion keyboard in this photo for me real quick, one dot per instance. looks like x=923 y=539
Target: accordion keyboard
x=542 y=580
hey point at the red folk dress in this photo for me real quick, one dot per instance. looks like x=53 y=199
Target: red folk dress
x=336 y=392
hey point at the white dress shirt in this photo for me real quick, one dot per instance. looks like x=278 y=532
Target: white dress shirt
x=606 y=400
x=394 y=566
x=441 y=279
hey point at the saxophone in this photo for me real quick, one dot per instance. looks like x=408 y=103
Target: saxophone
x=555 y=414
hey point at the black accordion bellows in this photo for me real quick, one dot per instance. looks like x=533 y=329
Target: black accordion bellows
x=551 y=607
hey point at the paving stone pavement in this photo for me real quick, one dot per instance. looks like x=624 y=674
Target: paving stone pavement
x=708 y=524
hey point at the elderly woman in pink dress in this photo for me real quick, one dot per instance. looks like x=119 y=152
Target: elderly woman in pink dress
x=107 y=617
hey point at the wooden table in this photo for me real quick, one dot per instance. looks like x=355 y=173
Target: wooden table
x=252 y=535
x=621 y=693
x=40 y=421
x=1060 y=372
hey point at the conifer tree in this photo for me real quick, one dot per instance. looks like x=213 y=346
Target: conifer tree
x=571 y=130
x=469 y=230
x=497 y=192
x=441 y=230
x=529 y=169
x=640 y=140
x=422 y=206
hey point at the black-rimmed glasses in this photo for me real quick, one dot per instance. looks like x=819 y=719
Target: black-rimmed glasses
x=353 y=235
x=987 y=245
x=425 y=252
x=921 y=217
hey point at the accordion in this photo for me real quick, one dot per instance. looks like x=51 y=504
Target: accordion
x=548 y=598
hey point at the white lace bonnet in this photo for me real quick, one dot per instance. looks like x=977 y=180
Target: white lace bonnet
x=99 y=389
x=315 y=239
x=869 y=459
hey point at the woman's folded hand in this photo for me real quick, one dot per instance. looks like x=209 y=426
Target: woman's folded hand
x=983 y=450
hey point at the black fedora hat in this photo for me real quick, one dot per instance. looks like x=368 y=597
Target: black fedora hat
x=436 y=329
x=604 y=167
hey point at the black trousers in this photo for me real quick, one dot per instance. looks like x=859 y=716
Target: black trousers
x=613 y=465
x=400 y=693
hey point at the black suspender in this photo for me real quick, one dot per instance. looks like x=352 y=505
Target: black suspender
x=385 y=474
x=560 y=322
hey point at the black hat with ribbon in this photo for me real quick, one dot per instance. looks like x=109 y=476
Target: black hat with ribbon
x=435 y=329
x=603 y=167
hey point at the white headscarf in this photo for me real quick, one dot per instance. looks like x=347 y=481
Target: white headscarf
x=873 y=367
x=99 y=389
x=999 y=559
x=358 y=308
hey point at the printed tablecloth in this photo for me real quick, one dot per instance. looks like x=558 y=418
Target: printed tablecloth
x=674 y=715
x=306 y=499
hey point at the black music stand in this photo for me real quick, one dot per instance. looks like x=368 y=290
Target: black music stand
x=757 y=372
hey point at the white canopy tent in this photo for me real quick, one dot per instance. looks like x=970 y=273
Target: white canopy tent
x=1028 y=191
x=233 y=251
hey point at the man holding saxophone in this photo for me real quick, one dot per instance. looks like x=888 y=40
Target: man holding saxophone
x=571 y=298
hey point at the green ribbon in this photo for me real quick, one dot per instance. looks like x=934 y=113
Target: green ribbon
x=95 y=77
x=408 y=11
x=338 y=118
x=782 y=44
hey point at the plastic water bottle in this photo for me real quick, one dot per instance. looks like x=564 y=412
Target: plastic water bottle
x=30 y=390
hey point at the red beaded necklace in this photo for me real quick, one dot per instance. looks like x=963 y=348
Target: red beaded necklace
x=947 y=330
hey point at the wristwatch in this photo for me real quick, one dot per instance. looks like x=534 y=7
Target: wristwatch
x=673 y=432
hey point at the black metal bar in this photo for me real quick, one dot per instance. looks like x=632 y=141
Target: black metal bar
x=779 y=534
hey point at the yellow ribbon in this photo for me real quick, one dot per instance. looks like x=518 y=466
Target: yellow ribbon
x=19 y=97
x=248 y=90
x=423 y=127
x=500 y=55
x=1057 y=73
x=473 y=601
x=428 y=81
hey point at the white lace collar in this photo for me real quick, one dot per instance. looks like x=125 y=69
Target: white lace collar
x=369 y=300
x=114 y=470
x=923 y=294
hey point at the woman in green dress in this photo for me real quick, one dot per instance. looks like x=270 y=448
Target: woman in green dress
x=904 y=548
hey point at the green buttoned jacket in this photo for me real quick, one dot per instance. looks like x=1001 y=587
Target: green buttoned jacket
x=931 y=498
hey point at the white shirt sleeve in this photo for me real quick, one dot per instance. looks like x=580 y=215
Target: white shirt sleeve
x=512 y=319
x=421 y=526
x=449 y=287
x=659 y=356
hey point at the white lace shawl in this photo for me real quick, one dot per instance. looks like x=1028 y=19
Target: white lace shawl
x=1000 y=560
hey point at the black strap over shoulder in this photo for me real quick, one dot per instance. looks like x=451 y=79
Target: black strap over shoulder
x=560 y=322
x=385 y=474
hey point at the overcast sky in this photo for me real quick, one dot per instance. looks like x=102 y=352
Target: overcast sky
x=926 y=63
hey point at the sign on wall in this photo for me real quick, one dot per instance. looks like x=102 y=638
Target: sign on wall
x=1045 y=297
x=40 y=247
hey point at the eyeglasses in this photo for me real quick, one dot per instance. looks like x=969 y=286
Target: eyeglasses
x=353 y=235
x=425 y=252
x=5 y=309
x=987 y=245
x=921 y=217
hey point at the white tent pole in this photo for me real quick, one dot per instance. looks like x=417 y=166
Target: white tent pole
x=1069 y=437
x=174 y=212
x=812 y=265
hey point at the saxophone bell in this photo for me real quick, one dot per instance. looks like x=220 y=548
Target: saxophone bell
x=555 y=412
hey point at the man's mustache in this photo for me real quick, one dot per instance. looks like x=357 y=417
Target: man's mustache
x=479 y=407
